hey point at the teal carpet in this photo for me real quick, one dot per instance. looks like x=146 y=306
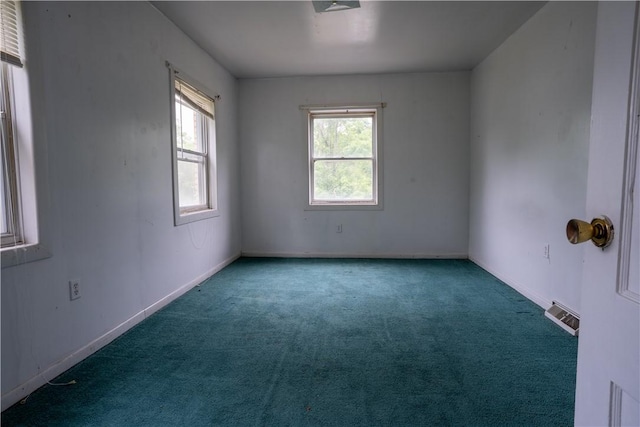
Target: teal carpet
x=309 y=342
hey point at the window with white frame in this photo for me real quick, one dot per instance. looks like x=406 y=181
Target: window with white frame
x=11 y=224
x=24 y=225
x=344 y=157
x=193 y=141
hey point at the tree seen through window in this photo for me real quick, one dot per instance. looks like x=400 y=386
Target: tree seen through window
x=343 y=156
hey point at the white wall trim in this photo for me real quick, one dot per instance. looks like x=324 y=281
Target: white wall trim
x=259 y=254
x=25 y=389
x=519 y=287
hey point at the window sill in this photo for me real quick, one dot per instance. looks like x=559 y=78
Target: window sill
x=23 y=254
x=186 y=218
x=344 y=207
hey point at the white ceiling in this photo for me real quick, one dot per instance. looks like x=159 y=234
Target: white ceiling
x=287 y=38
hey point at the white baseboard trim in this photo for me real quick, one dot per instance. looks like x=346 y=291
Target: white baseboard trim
x=259 y=254
x=523 y=290
x=12 y=397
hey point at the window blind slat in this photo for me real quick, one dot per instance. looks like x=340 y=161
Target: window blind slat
x=203 y=103
x=9 y=33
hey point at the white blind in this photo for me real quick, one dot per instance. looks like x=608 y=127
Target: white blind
x=195 y=98
x=9 y=32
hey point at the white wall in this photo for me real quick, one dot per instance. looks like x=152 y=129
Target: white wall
x=426 y=162
x=530 y=113
x=102 y=88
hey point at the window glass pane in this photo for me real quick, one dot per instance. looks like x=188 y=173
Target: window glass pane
x=4 y=140
x=10 y=226
x=343 y=136
x=192 y=183
x=343 y=180
x=4 y=226
x=187 y=127
x=4 y=187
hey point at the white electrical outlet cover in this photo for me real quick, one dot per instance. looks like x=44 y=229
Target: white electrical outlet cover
x=74 y=289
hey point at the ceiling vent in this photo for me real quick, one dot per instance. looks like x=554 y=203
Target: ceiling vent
x=334 y=5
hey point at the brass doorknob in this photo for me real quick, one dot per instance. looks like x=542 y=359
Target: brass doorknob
x=599 y=231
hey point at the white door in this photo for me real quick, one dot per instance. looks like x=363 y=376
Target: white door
x=608 y=378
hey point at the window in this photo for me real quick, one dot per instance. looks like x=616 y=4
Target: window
x=24 y=226
x=193 y=141
x=344 y=160
x=11 y=225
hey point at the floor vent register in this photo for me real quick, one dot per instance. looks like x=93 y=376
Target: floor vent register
x=564 y=317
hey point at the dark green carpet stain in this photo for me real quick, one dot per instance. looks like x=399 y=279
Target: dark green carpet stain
x=327 y=342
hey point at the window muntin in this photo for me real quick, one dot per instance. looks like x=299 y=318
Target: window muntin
x=193 y=141
x=343 y=167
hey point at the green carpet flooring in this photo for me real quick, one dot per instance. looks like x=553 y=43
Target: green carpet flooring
x=316 y=342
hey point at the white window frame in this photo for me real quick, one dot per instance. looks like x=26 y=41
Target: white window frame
x=353 y=110
x=208 y=156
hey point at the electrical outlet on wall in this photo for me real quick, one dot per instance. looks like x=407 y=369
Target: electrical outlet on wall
x=547 y=254
x=339 y=228
x=74 y=289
